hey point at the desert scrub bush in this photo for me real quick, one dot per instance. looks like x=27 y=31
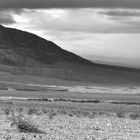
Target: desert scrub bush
x=25 y=126
x=7 y=110
x=93 y=115
x=107 y=114
x=120 y=114
x=45 y=111
x=34 y=110
x=134 y=116
x=62 y=111
x=85 y=113
x=51 y=114
x=78 y=113
x=19 y=110
x=9 y=103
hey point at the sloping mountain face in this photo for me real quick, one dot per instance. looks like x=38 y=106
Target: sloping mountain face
x=23 y=52
x=25 y=49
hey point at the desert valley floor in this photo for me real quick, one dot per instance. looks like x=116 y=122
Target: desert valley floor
x=39 y=108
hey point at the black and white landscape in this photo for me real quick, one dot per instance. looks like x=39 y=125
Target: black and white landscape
x=69 y=70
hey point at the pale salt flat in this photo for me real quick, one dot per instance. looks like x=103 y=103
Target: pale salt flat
x=84 y=89
x=105 y=89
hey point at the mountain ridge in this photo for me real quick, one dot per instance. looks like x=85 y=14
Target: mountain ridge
x=44 y=51
x=26 y=53
x=15 y=34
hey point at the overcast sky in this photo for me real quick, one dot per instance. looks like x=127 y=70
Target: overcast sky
x=103 y=30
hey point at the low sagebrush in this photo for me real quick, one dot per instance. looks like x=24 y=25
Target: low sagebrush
x=25 y=126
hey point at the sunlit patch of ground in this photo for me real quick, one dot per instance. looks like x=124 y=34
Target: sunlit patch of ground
x=106 y=89
x=4 y=85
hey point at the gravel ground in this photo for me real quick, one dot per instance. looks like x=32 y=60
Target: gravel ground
x=65 y=127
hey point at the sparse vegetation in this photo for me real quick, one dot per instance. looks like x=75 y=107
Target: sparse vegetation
x=76 y=101
x=23 y=121
x=62 y=111
x=39 y=99
x=126 y=103
x=120 y=114
x=8 y=110
x=19 y=110
x=107 y=114
x=33 y=110
x=25 y=126
x=134 y=116
x=51 y=114
x=45 y=111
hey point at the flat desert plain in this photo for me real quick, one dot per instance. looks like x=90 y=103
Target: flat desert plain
x=39 y=108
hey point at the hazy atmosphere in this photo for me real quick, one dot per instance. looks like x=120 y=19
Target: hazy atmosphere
x=101 y=30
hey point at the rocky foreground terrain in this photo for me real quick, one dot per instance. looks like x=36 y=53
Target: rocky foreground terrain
x=61 y=124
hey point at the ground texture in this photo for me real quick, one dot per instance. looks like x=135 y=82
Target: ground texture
x=49 y=124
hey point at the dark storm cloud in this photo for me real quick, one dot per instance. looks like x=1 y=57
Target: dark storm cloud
x=6 y=18
x=35 y=4
x=6 y=15
x=120 y=13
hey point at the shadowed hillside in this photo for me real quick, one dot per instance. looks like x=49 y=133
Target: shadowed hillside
x=25 y=53
x=21 y=48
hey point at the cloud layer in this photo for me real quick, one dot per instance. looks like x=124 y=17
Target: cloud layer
x=86 y=20
x=37 y=4
x=6 y=18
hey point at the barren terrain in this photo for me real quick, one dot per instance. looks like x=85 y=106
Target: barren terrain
x=41 y=108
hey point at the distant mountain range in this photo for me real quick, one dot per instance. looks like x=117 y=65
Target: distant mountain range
x=24 y=52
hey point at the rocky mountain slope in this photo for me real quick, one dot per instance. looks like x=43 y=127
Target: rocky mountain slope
x=25 y=49
x=23 y=52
